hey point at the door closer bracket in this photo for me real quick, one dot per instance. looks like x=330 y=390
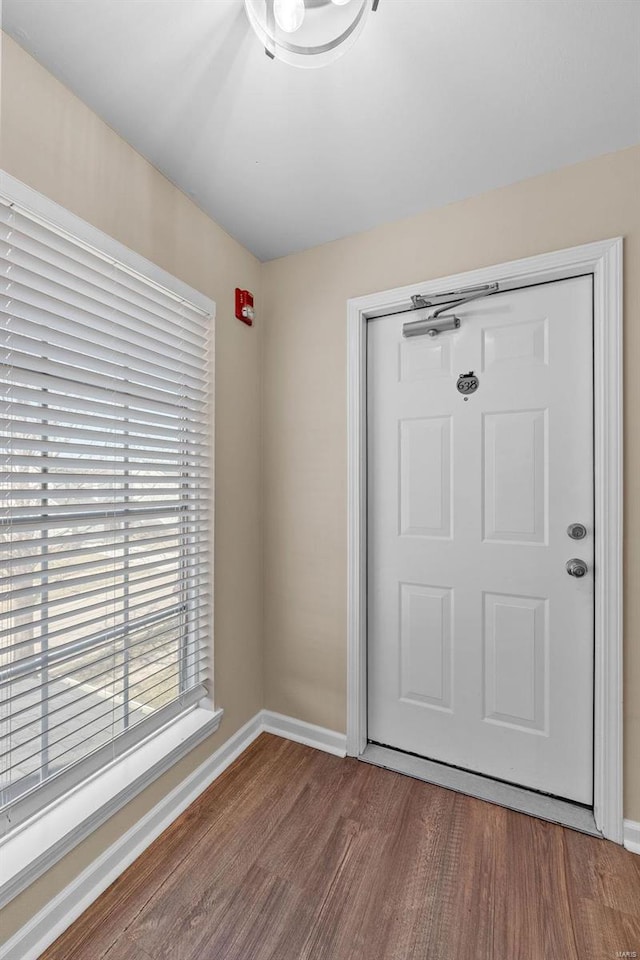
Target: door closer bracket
x=435 y=323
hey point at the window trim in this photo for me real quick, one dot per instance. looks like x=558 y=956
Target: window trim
x=36 y=204
x=34 y=846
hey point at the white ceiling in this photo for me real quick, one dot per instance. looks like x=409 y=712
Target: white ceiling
x=439 y=100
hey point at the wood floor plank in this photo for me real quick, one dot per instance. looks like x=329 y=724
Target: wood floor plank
x=604 y=873
x=472 y=885
x=605 y=932
x=294 y=854
x=533 y=918
x=250 y=927
x=94 y=933
x=418 y=860
x=198 y=894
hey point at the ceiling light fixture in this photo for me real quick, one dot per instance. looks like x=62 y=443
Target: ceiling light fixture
x=324 y=29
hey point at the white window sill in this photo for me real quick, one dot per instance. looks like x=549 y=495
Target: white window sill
x=36 y=845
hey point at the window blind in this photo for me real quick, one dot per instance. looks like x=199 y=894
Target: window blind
x=104 y=522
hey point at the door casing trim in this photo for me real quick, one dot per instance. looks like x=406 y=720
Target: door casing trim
x=603 y=260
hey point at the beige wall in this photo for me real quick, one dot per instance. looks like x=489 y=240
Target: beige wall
x=305 y=469
x=52 y=141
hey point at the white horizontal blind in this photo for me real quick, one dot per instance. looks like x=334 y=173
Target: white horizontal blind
x=104 y=532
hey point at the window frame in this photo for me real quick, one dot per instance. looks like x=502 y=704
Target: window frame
x=68 y=817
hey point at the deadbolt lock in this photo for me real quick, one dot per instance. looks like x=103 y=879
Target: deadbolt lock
x=577 y=531
x=576 y=567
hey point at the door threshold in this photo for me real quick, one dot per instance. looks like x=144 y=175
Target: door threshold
x=534 y=804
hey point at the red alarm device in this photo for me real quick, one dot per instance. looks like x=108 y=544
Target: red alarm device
x=244 y=306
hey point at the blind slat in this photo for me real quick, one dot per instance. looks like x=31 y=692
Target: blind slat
x=12 y=460
x=30 y=269
x=75 y=377
x=73 y=352
x=78 y=674
x=107 y=714
x=121 y=450
x=65 y=331
x=157 y=531
x=95 y=755
x=57 y=705
x=139 y=298
x=94 y=684
x=165 y=555
x=117 y=425
x=146 y=599
x=76 y=664
x=198 y=581
x=110 y=407
x=54 y=476
x=122 y=510
x=80 y=395
x=124 y=516
x=49 y=585
x=48 y=491
x=59 y=557
x=24 y=433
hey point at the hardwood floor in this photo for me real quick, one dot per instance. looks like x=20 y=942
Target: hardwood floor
x=293 y=854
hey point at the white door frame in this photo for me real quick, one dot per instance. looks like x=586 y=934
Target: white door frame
x=604 y=260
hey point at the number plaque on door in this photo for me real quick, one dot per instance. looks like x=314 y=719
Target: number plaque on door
x=467 y=383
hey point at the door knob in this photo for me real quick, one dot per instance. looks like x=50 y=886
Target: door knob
x=576 y=567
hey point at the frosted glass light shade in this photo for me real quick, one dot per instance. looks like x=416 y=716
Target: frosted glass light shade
x=327 y=31
x=289 y=14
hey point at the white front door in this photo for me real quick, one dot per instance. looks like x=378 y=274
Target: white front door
x=480 y=643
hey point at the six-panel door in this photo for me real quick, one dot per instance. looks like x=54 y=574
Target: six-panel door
x=480 y=644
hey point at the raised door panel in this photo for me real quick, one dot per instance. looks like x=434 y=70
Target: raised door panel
x=425 y=645
x=515 y=476
x=423 y=358
x=521 y=343
x=425 y=477
x=516 y=661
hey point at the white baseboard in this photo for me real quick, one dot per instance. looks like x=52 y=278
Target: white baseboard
x=632 y=836
x=54 y=918
x=308 y=733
